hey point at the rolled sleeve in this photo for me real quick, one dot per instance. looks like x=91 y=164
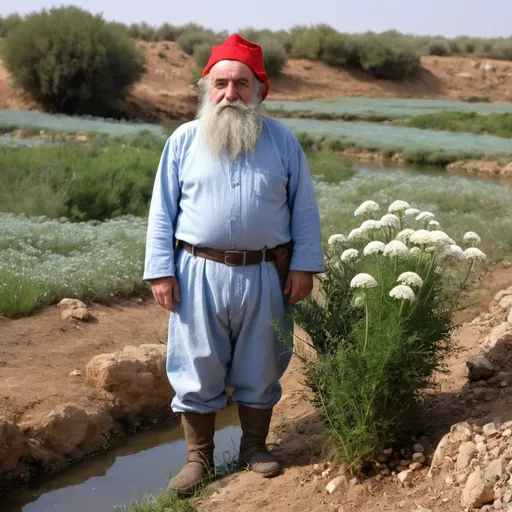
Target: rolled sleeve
x=159 y=259
x=305 y=218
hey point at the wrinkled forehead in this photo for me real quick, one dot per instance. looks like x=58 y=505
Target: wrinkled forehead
x=231 y=70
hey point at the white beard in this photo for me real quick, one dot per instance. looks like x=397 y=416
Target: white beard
x=235 y=129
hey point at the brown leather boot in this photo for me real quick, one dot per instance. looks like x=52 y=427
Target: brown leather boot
x=200 y=468
x=255 y=424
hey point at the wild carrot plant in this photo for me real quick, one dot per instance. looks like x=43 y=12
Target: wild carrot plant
x=381 y=324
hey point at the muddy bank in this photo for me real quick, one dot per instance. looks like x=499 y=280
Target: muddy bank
x=70 y=386
x=497 y=167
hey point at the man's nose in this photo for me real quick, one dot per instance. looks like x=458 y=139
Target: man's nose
x=230 y=91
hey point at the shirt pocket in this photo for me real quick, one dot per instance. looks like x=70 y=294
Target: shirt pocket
x=270 y=186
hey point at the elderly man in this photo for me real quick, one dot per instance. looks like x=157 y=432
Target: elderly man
x=233 y=242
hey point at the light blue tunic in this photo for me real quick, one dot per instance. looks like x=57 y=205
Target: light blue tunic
x=224 y=330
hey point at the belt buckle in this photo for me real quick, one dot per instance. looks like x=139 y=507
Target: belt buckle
x=234 y=252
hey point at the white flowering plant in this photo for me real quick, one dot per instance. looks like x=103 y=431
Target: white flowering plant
x=381 y=326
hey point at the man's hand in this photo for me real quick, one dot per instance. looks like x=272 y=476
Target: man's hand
x=166 y=290
x=299 y=285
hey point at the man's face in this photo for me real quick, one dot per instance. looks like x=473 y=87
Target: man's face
x=231 y=80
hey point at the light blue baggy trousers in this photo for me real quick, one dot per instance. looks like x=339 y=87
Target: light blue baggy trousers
x=232 y=328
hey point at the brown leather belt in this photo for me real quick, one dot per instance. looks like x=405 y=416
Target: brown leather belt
x=231 y=258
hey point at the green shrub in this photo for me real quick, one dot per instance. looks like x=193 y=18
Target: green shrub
x=107 y=179
x=454 y=47
x=142 y=31
x=274 y=56
x=9 y=23
x=309 y=42
x=168 y=32
x=72 y=61
x=382 y=60
x=493 y=124
x=336 y=50
x=202 y=54
x=439 y=47
x=502 y=50
x=162 y=55
x=189 y=40
x=378 y=347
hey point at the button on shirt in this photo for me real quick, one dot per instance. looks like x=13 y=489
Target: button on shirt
x=262 y=199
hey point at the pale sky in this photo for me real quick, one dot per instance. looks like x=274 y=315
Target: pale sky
x=484 y=18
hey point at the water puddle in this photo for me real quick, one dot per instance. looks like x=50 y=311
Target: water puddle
x=135 y=465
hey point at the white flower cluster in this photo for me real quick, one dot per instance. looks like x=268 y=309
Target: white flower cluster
x=374 y=247
x=398 y=207
x=366 y=208
x=390 y=220
x=350 y=255
x=363 y=281
x=471 y=238
x=410 y=279
x=474 y=254
x=396 y=249
x=336 y=240
x=402 y=292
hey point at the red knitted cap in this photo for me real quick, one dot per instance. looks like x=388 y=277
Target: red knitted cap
x=237 y=48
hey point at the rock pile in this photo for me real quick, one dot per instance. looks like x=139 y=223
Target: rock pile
x=478 y=460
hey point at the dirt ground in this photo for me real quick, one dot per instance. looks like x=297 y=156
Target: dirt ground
x=165 y=91
x=37 y=354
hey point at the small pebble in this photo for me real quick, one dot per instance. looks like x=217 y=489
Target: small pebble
x=477 y=429
x=414 y=466
x=498 y=505
x=418 y=457
x=418 y=448
x=507 y=433
x=504 y=384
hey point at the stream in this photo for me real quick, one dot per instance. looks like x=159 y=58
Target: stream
x=135 y=464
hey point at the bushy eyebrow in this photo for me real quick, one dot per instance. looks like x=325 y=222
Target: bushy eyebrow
x=238 y=81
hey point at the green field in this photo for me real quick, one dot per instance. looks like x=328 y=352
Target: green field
x=43 y=260
x=380 y=136
x=389 y=108
x=31 y=121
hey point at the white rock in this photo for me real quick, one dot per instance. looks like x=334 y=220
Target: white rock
x=419 y=457
x=501 y=334
x=476 y=492
x=506 y=303
x=75 y=373
x=480 y=368
x=498 y=505
x=467 y=451
x=481 y=448
x=480 y=439
x=449 y=480
x=507 y=496
x=335 y=483
x=405 y=477
x=503 y=383
x=326 y=473
x=490 y=430
x=503 y=293
x=495 y=470
x=507 y=433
